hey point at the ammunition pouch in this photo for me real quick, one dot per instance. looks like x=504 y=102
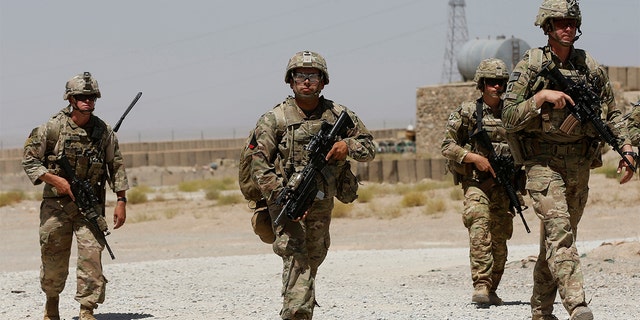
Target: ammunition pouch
x=346 y=185
x=515 y=147
x=459 y=170
x=587 y=148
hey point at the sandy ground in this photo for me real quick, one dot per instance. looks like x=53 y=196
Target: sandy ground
x=189 y=258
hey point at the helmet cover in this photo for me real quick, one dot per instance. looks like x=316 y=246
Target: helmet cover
x=558 y=9
x=83 y=83
x=307 y=59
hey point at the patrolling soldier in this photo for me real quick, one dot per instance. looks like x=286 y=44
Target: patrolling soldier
x=557 y=160
x=280 y=138
x=92 y=149
x=486 y=206
x=633 y=124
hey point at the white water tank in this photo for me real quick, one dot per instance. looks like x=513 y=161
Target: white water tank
x=473 y=52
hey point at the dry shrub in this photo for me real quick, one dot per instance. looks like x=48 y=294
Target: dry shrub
x=341 y=210
x=428 y=185
x=366 y=194
x=609 y=171
x=230 y=199
x=190 y=186
x=171 y=212
x=208 y=184
x=11 y=197
x=141 y=216
x=212 y=194
x=434 y=205
x=137 y=195
x=381 y=211
x=413 y=199
x=456 y=194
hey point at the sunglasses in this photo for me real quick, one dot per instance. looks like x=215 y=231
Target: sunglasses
x=85 y=97
x=493 y=82
x=300 y=77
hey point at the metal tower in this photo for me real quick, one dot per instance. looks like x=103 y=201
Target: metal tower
x=457 y=36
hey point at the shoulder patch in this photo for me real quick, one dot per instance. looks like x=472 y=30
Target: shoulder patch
x=514 y=76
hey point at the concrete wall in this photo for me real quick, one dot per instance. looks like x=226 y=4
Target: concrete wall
x=190 y=153
x=628 y=77
x=434 y=104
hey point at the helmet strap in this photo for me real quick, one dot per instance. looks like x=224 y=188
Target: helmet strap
x=579 y=33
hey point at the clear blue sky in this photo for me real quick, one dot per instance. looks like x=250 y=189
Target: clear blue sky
x=211 y=68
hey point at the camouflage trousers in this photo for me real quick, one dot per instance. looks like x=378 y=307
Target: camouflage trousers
x=59 y=220
x=490 y=225
x=559 y=191
x=303 y=247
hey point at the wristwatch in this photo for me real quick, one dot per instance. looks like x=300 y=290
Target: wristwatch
x=123 y=199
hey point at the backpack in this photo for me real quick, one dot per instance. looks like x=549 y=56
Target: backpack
x=248 y=187
x=459 y=170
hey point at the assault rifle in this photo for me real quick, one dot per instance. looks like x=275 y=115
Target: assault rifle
x=505 y=171
x=88 y=202
x=298 y=195
x=587 y=106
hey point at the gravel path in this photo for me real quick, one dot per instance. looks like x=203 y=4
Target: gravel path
x=367 y=284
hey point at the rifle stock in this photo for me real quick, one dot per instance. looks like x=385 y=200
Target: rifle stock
x=298 y=195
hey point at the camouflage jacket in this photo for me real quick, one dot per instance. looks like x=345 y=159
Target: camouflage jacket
x=633 y=124
x=457 y=140
x=88 y=150
x=521 y=116
x=281 y=143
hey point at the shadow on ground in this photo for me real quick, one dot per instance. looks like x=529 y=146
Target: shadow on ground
x=120 y=316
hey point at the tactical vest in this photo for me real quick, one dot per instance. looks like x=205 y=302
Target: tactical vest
x=83 y=148
x=553 y=121
x=293 y=133
x=469 y=117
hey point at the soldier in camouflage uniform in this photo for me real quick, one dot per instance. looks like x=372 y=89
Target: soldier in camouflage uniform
x=92 y=149
x=486 y=206
x=281 y=135
x=557 y=160
x=633 y=124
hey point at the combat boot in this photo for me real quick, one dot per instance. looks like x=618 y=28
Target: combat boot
x=480 y=294
x=51 y=309
x=494 y=300
x=581 y=313
x=86 y=313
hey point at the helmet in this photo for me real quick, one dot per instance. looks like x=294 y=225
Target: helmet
x=560 y=9
x=82 y=83
x=307 y=59
x=490 y=68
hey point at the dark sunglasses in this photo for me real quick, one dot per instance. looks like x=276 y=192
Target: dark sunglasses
x=85 y=97
x=492 y=82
